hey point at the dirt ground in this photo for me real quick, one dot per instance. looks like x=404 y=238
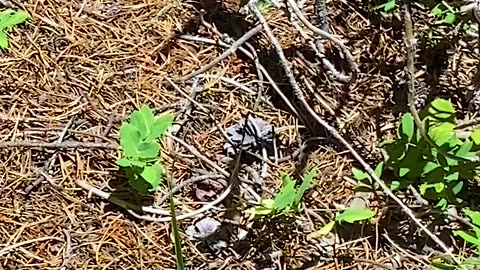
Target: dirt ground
x=77 y=69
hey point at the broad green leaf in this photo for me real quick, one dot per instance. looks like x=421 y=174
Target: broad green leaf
x=441 y=108
x=285 y=198
x=307 y=180
x=161 y=126
x=452 y=177
x=129 y=140
x=403 y=171
x=138 y=163
x=148 y=150
x=143 y=120
x=457 y=188
x=464 y=149
x=260 y=210
x=153 y=175
x=326 y=229
x=430 y=166
x=407 y=126
x=450 y=18
x=467 y=237
x=379 y=169
x=473 y=215
x=442 y=133
x=476 y=136
x=395 y=185
x=390 y=5
x=351 y=215
x=437 y=11
x=124 y=162
x=10 y=17
x=359 y=174
x=3 y=40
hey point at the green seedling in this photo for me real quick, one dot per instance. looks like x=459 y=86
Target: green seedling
x=287 y=200
x=472 y=236
x=445 y=13
x=388 y=6
x=139 y=152
x=349 y=215
x=8 y=19
x=414 y=162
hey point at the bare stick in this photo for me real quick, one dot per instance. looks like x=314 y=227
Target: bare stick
x=334 y=132
x=57 y=145
x=346 y=51
x=50 y=161
x=17 y=245
x=131 y=208
x=262 y=69
x=233 y=48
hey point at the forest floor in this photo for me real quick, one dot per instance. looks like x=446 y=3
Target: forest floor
x=77 y=69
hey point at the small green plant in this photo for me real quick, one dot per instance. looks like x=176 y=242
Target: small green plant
x=473 y=236
x=388 y=6
x=287 y=199
x=349 y=215
x=414 y=162
x=139 y=152
x=8 y=19
x=445 y=13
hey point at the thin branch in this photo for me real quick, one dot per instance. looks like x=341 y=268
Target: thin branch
x=318 y=31
x=233 y=48
x=58 y=145
x=334 y=132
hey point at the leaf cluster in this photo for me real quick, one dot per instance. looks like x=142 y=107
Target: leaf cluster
x=414 y=162
x=140 y=149
x=287 y=199
x=8 y=19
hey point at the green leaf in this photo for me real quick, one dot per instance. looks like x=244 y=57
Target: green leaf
x=452 y=177
x=148 y=150
x=403 y=171
x=379 y=169
x=143 y=120
x=124 y=162
x=467 y=237
x=390 y=5
x=464 y=149
x=129 y=140
x=286 y=197
x=3 y=40
x=326 y=229
x=473 y=215
x=457 y=188
x=450 y=18
x=395 y=185
x=407 y=126
x=476 y=136
x=430 y=166
x=442 y=133
x=307 y=180
x=359 y=174
x=441 y=108
x=153 y=175
x=10 y=17
x=351 y=215
x=161 y=126
x=437 y=11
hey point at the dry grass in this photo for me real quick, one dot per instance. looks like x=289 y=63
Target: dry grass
x=91 y=63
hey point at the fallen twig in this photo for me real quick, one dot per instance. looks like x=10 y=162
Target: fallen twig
x=334 y=132
x=233 y=48
x=322 y=33
x=58 y=145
